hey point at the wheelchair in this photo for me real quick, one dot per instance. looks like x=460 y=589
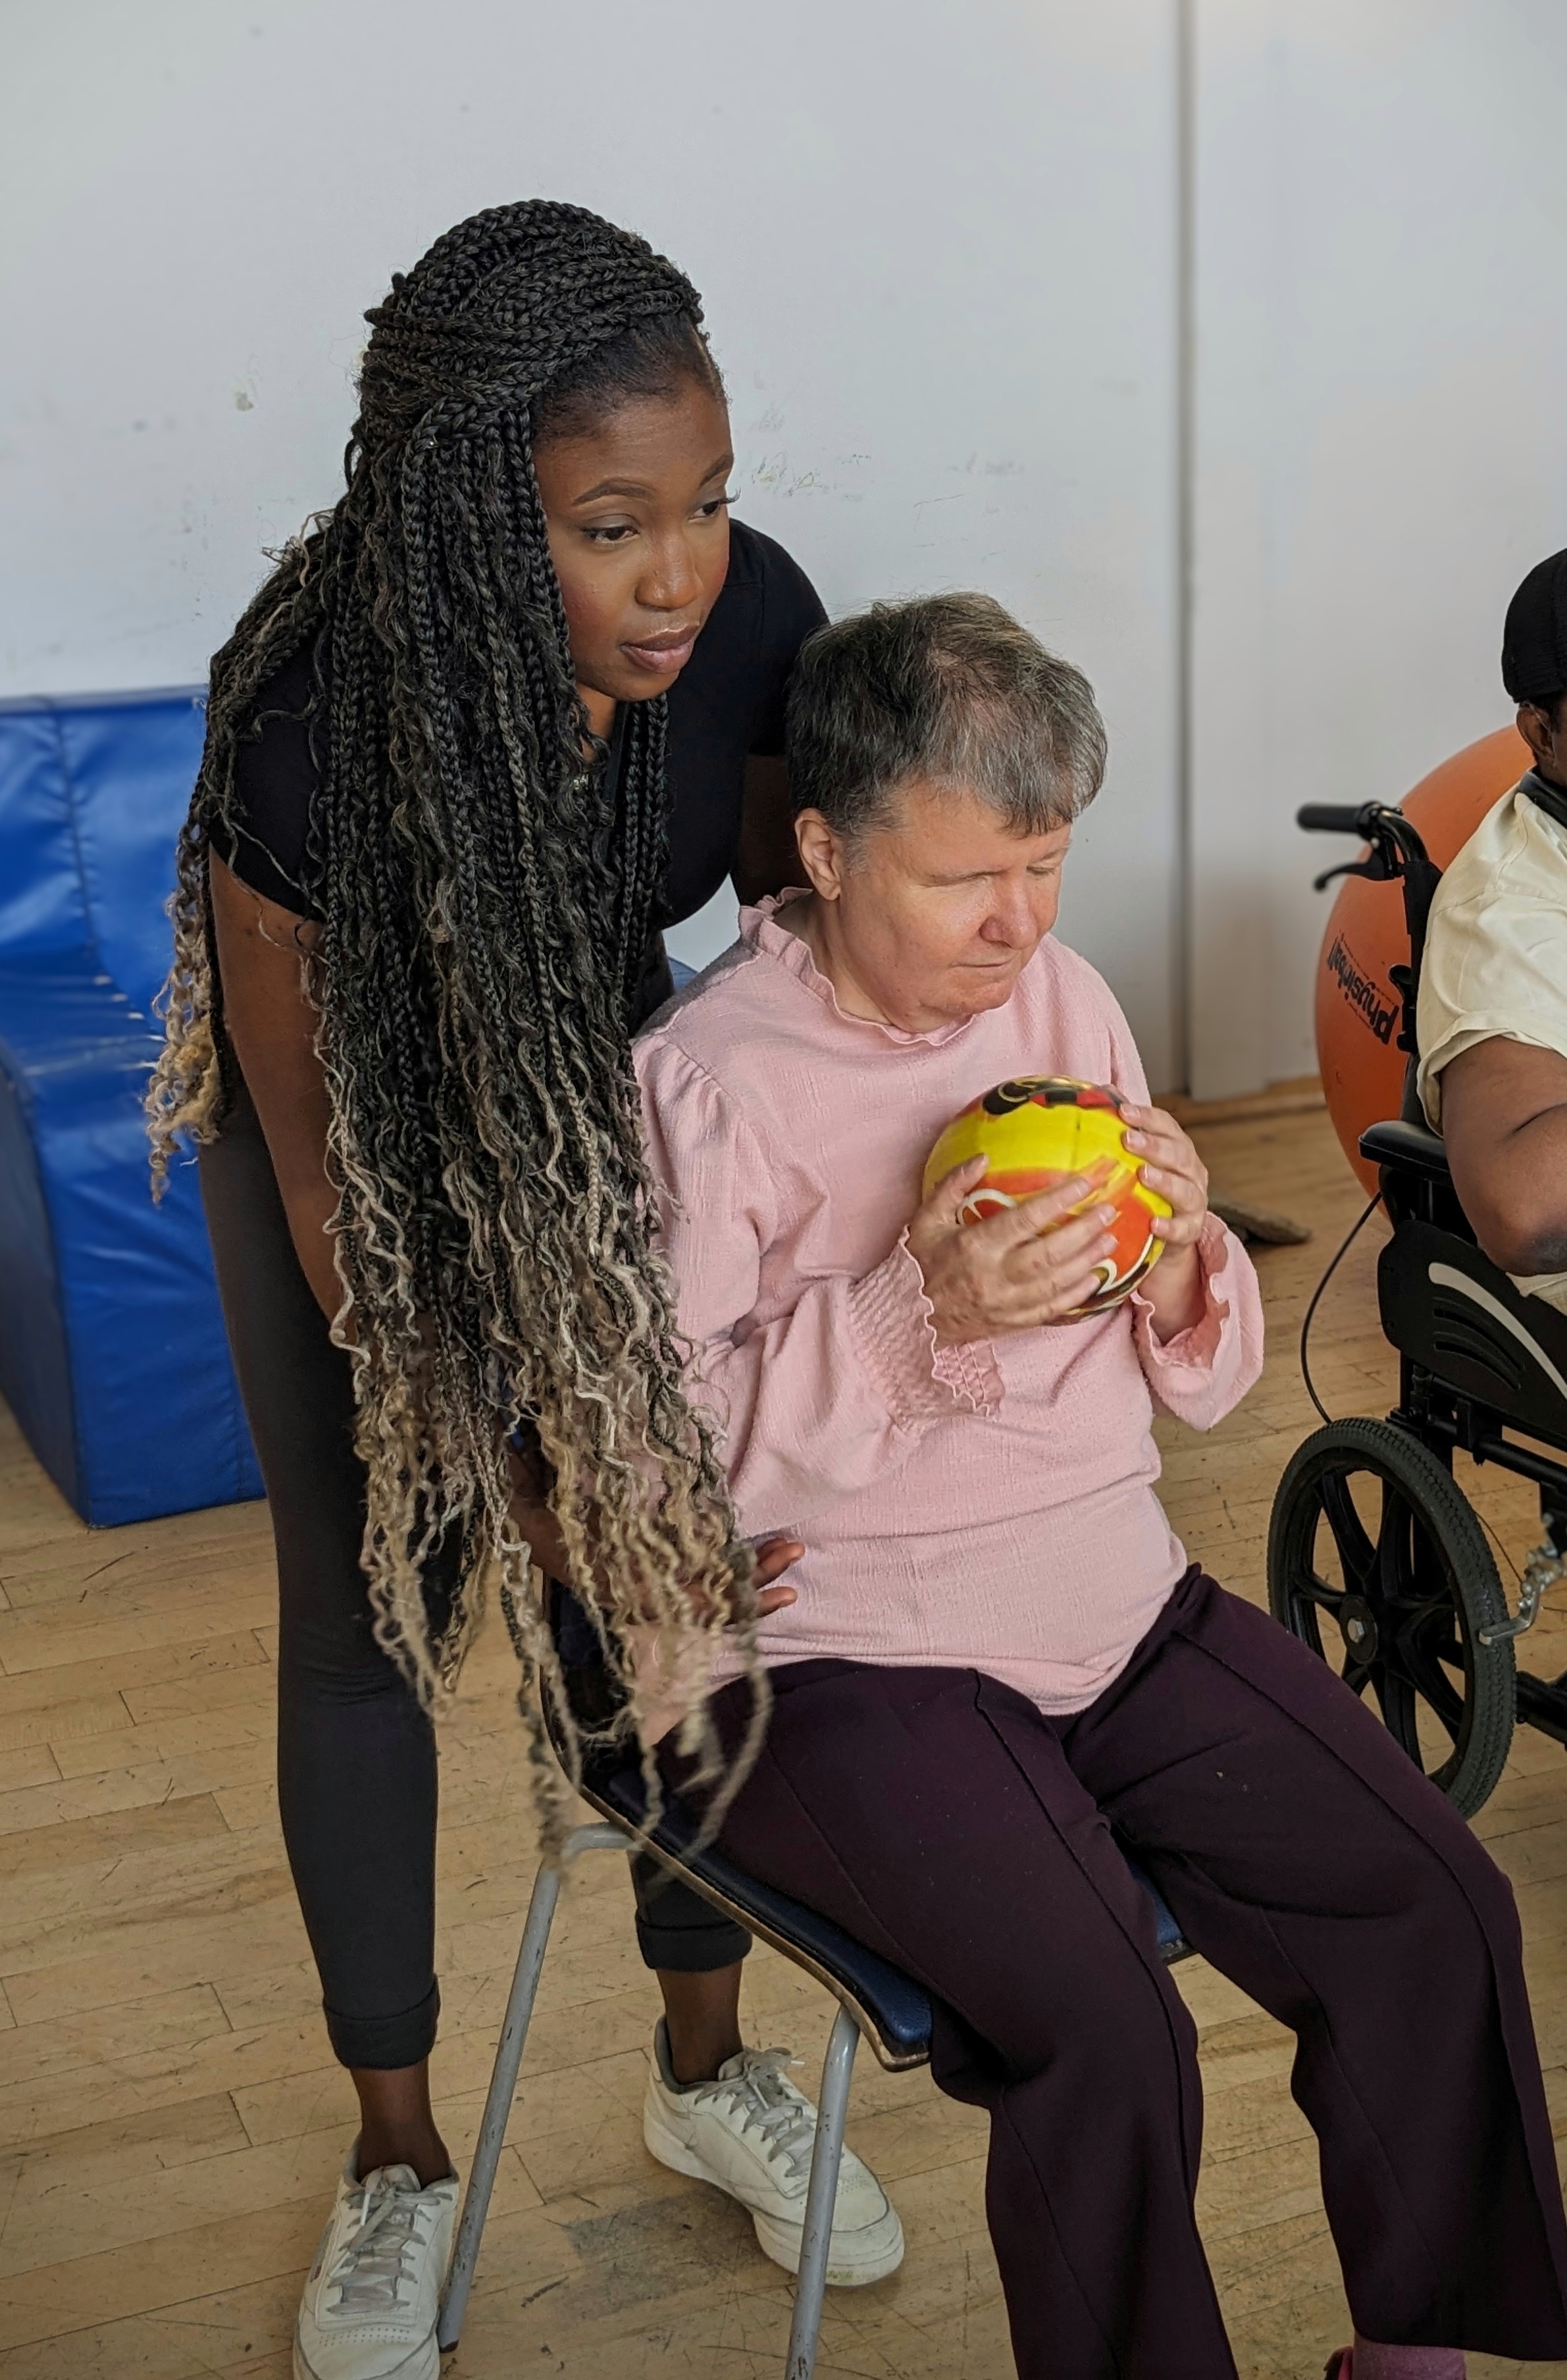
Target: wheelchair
x=1376 y=1558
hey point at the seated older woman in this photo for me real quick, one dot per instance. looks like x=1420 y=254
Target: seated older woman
x=998 y=1662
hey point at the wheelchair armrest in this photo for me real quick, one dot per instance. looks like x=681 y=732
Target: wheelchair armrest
x=1409 y=1145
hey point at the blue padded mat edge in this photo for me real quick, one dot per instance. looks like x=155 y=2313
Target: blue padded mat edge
x=112 y=1350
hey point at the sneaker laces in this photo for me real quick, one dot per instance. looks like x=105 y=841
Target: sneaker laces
x=769 y=2105
x=371 y=2267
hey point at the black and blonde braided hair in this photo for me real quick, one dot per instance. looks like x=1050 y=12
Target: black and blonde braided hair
x=488 y=898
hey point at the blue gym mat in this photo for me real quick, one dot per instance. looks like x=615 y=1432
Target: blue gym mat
x=112 y=1352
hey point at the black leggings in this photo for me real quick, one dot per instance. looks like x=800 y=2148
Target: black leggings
x=356 y=1755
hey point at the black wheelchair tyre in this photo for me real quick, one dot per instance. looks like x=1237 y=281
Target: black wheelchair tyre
x=1417 y=1601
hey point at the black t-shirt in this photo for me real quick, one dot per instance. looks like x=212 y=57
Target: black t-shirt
x=726 y=704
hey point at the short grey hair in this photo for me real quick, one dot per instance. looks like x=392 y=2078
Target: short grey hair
x=950 y=688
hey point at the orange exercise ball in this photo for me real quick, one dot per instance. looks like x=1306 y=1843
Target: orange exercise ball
x=1357 y=1003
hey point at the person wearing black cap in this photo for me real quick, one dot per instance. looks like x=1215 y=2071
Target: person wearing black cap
x=1492 y=1021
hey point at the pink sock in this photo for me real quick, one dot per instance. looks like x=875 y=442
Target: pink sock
x=1371 y=2361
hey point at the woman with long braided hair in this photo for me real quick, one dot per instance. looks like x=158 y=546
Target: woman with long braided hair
x=515 y=704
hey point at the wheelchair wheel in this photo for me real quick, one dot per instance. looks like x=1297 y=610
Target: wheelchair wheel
x=1369 y=1533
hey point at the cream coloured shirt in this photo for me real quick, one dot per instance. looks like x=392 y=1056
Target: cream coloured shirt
x=1496 y=956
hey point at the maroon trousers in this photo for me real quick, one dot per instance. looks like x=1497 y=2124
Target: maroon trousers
x=938 y=1817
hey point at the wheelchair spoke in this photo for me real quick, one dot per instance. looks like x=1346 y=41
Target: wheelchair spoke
x=1434 y=1625
x=1355 y=1548
x=1422 y=1629
x=1358 y=1674
x=1413 y=1578
x=1436 y=1688
x=1448 y=1661
x=1313 y=1589
x=1396 y=1554
x=1397 y=1698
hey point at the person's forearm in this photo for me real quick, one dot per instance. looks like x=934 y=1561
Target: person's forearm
x=1175 y=1292
x=539 y=1530
x=535 y=1523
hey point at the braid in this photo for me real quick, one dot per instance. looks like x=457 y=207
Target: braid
x=488 y=897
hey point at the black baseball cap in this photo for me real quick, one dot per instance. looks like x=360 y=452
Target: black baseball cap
x=1533 y=638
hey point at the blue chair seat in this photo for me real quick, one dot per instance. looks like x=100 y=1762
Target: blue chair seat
x=897 y=2013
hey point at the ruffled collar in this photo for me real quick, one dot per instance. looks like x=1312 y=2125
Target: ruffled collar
x=760 y=931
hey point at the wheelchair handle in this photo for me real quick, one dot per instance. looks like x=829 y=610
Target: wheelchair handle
x=1338 y=818
x=1395 y=854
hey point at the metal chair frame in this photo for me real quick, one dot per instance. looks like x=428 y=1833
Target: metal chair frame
x=856 y=2016
x=832 y=2107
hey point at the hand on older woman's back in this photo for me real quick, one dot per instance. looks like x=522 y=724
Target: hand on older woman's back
x=1015 y=1271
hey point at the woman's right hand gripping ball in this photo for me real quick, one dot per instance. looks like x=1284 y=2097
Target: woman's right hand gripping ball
x=1032 y=1263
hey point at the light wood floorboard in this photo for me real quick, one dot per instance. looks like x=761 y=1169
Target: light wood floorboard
x=171 y=2123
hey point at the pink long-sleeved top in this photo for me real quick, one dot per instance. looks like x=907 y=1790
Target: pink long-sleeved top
x=987 y=1506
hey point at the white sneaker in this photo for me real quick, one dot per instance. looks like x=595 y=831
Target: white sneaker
x=751 y=2132
x=374 y=2294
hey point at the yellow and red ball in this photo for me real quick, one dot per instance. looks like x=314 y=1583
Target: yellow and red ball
x=1034 y=1132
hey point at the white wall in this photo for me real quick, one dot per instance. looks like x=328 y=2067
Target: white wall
x=938 y=244
x=1381 y=416
x=935 y=241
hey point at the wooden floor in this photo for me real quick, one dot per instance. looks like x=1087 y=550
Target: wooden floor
x=172 y=2125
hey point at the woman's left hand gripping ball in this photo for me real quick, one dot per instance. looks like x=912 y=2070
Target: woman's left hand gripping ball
x=1172 y=1166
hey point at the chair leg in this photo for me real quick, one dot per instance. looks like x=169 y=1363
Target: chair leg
x=821 y=2195
x=504 y=2074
